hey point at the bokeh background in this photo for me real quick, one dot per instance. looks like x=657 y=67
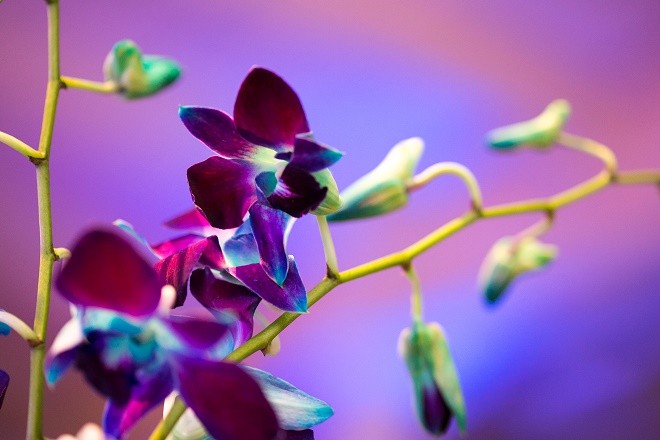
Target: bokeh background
x=572 y=352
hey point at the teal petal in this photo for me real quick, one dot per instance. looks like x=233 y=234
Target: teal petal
x=542 y=131
x=4 y=328
x=385 y=188
x=295 y=409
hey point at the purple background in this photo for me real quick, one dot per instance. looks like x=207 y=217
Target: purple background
x=572 y=352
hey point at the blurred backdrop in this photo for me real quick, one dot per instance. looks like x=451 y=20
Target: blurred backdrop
x=571 y=352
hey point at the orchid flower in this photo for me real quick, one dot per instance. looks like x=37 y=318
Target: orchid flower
x=267 y=150
x=135 y=353
x=4 y=384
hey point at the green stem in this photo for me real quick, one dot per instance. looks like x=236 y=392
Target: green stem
x=404 y=257
x=444 y=168
x=20 y=146
x=166 y=425
x=47 y=255
x=20 y=327
x=637 y=177
x=328 y=247
x=415 y=294
x=92 y=86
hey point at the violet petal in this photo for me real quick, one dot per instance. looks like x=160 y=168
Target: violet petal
x=267 y=110
x=312 y=156
x=64 y=350
x=297 y=192
x=223 y=189
x=291 y=296
x=270 y=228
x=105 y=271
x=228 y=402
x=153 y=386
x=177 y=244
x=217 y=130
x=176 y=268
x=241 y=248
x=222 y=297
x=194 y=336
x=4 y=384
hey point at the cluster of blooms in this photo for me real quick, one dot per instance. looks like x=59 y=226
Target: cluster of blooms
x=124 y=337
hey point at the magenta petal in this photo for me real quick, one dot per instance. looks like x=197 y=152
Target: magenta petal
x=105 y=271
x=176 y=268
x=268 y=111
x=306 y=434
x=269 y=227
x=297 y=192
x=154 y=387
x=223 y=189
x=291 y=296
x=312 y=156
x=224 y=298
x=217 y=130
x=169 y=247
x=193 y=219
x=228 y=402
x=4 y=384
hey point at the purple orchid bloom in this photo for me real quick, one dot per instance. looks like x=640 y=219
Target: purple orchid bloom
x=135 y=353
x=4 y=384
x=267 y=150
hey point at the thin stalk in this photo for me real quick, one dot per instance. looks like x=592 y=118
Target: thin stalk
x=443 y=168
x=415 y=294
x=328 y=247
x=19 y=146
x=404 y=257
x=639 y=177
x=47 y=255
x=92 y=86
x=20 y=327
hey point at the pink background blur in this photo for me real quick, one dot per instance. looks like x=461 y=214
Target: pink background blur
x=572 y=352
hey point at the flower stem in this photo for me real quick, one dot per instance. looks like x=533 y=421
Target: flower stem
x=328 y=247
x=47 y=256
x=443 y=168
x=404 y=257
x=20 y=327
x=19 y=146
x=92 y=86
x=415 y=294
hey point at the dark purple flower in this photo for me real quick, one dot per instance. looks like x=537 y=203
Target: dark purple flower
x=267 y=149
x=4 y=384
x=133 y=352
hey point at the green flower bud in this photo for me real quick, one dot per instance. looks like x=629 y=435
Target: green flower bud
x=385 y=188
x=508 y=258
x=137 y=75
x=332 y=201
x=438 y=394
x=541 y=132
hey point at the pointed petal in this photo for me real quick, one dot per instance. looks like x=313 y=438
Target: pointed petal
x=268 y=111
x=105 y=271
x=311 y=156
x=297 y=192
x=4 y=384
x=224 y=190
x=203 y=338
x=153 y=386
x=271 y=228
x=63 y=352
x=130 y=230
x=177 y=244
x=193 y=219
x=291 y=296
x=295 y=409
x=217 y=130
x=227 y=401
x=176 y=268
x=223 y=298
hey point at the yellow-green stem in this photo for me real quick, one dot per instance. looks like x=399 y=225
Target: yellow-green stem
x=328 y=247
x=47 y=255
x=415 y=294
x=92 y=86
x=19 y=146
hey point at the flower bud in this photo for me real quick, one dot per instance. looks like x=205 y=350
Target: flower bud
x=508 y=258
x=332 y=201
x=540 y=132
x=137 y=75
x=384 y=189
x=438 y=394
